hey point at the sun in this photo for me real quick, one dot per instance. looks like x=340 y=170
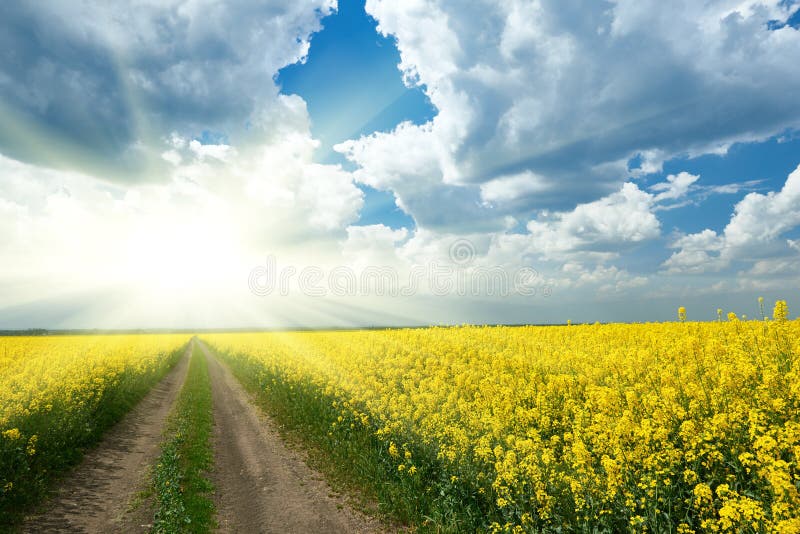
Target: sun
x=172 y=257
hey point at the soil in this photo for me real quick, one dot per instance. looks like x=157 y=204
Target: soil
x=260 y=484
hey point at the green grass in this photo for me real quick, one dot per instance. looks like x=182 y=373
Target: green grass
x=181 y=487
x=353 y=459
x=62 y=436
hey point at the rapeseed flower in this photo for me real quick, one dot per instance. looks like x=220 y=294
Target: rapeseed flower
x=577 y=427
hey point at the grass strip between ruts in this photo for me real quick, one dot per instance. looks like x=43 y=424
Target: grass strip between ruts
x=180 y=483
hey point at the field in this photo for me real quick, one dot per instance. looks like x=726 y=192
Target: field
x=681 y=427
x=664 y=427
x=59 y=394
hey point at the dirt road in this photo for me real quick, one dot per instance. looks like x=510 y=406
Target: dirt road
x=261 y=485
x=96 y=496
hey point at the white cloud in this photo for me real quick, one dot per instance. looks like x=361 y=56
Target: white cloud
x=775 y=267
x=607 y=279
x=757 y=222
x=692 y=262
x=758 y=218
x=513 y=187
x=705 y=240
x=328 y=195
x=172 y=156
x=676 y=186
x=569 y=95
x=375 y=244
x=220 y=152
x=587 y=238
x=622 y=217
x=402 y=159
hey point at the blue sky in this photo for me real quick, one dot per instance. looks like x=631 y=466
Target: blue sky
x=636 y=156
x=769 y=162
x=352 y=87
x=351 y=83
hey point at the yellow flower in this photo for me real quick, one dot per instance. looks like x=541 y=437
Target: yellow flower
x=31 y=447
x=601 y=416
x=60 y=383
x=702 y=494
x=781 y=311
x=12 y=434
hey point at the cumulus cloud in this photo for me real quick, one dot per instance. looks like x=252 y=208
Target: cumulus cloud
x=570 y=249
x=374 y=245
x=622 y=217
x=757 y=222
x=516 y=187
x=103 y=82
x=759 y=218
x=607 y=279
x=411 y=163
x=697 y=253
x=570 y=93
x=676 y=186
x=775 y=267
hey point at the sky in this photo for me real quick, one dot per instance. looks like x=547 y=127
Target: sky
x=202 y=164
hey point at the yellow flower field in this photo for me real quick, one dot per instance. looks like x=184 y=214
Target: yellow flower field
x=59 y=393
x=682 y=427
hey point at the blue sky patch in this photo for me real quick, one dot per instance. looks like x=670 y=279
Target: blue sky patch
x=768 y=163
x=352 y=87
x=351 y=83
